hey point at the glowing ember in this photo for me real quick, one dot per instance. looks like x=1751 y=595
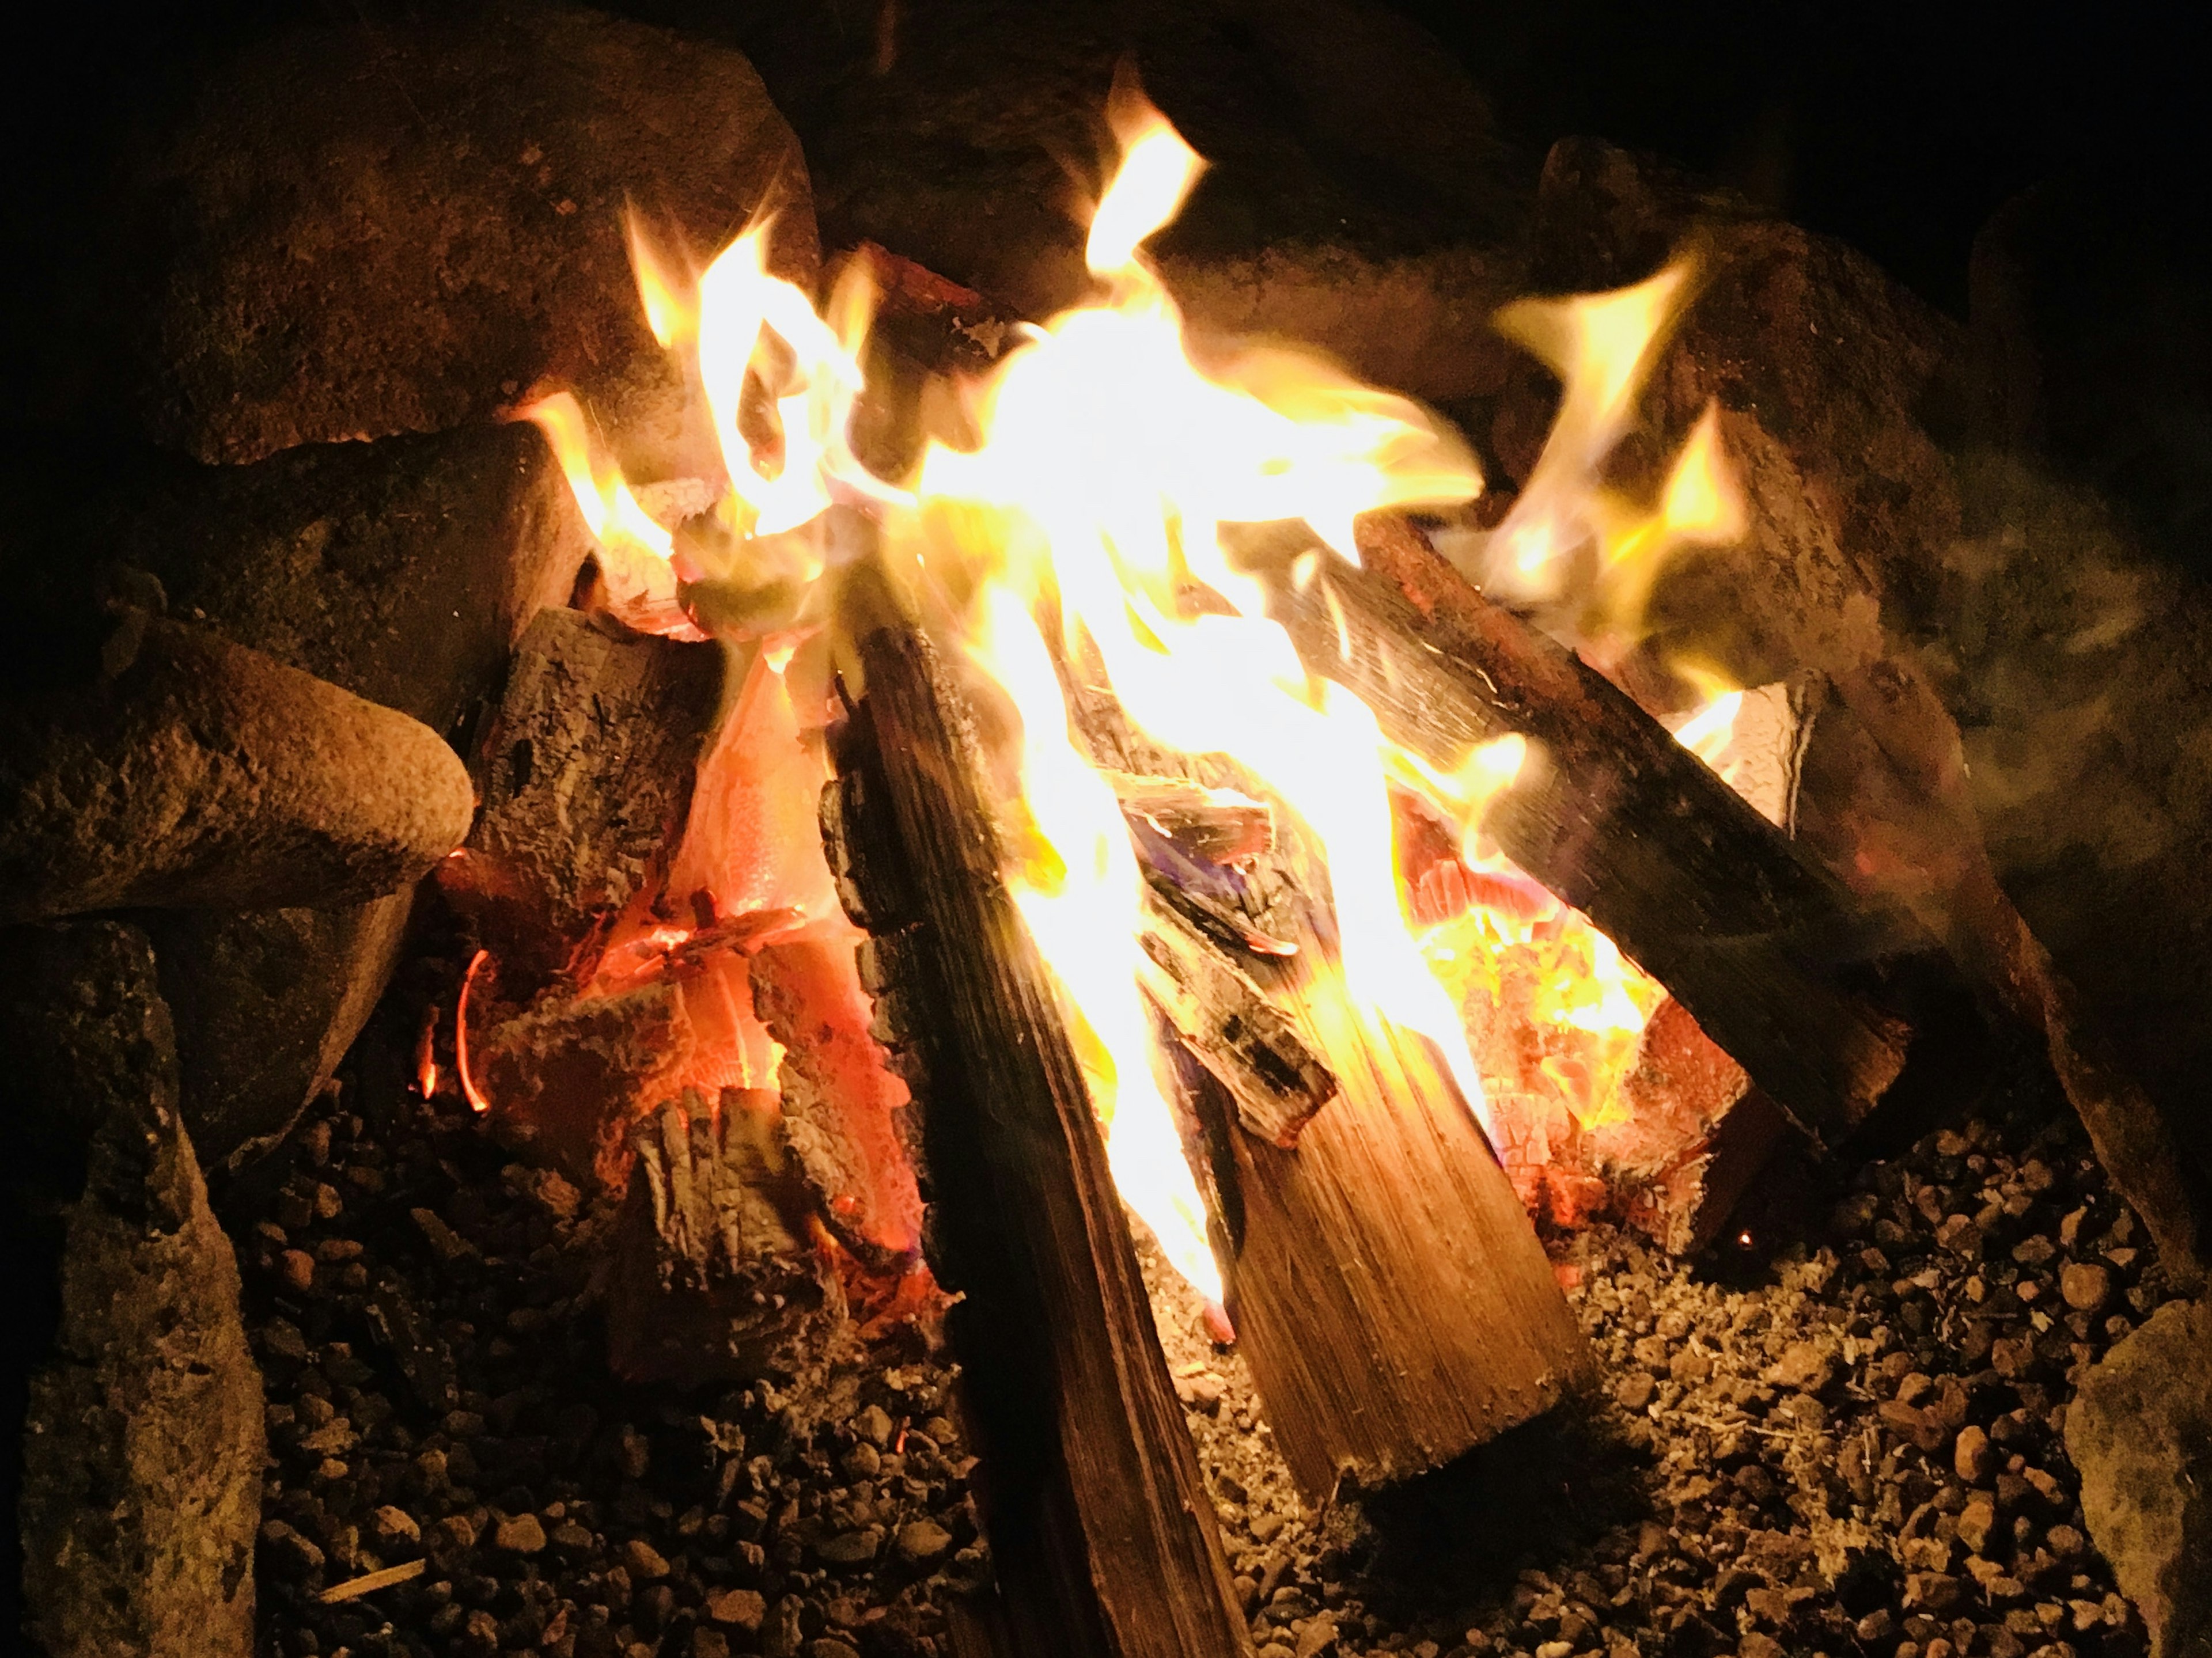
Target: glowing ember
x=477 y=1103
x=426 y=1062
x=1089 y=529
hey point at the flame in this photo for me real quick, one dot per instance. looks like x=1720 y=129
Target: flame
x=1572 y=543
x=1087 y=529
x=634 y=553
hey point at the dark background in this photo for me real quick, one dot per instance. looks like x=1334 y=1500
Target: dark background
x=1898 y=125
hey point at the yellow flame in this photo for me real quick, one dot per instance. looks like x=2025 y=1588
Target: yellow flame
x=1571 y=542
x=634 y=552
x=1079 y=889
x=1107 y=465
x=1127 y=460
x=670 y=298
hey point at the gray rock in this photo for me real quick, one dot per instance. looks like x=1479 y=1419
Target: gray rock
x=143 y=1443
x=199 y=774
x=266 y=1002
x=368 y=228
x=2139 y=1434
x=403 y=571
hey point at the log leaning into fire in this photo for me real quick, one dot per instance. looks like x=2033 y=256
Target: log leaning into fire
x=1395 y=1304
x=1618 y=820
x=1100 y=1527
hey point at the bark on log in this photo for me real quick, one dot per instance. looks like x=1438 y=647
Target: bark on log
x=1617 y=819
x=1100 y=1527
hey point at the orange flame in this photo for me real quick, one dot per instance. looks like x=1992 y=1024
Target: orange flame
x=1094 y=506
x=477 y=1103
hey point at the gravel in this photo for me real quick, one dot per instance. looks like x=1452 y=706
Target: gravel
x=425 y=1313
x=1844 y=1440
x=1849 y=1441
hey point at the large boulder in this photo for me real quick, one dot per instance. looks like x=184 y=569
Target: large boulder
x=353 y=228
x=197 y=772
x=2139 y=1434
x=403 y=571
x=139 y=1483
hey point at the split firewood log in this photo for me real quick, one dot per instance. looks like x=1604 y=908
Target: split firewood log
x=1101 y=1531
x=1808 y=989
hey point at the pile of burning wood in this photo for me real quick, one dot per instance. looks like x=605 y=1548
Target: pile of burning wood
x=898 y=880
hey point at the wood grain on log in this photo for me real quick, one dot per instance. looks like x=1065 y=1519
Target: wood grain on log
x=1100 y=1528
x=1780 y=966
x=1232 y=1028
x=1387 y=1287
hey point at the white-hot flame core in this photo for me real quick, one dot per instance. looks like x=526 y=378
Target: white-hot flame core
x=1078 y=899
x=1108 y=466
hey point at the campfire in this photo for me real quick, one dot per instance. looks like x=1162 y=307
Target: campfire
x=1096 y=880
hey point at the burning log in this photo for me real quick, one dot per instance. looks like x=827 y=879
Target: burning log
x=586 y=776
x=1101 y=1531
x=1232 y=1028
x=1696 y=1133
x=1625 y=825
x=714 y=1274
x=1451 y=1328
x=199 y=772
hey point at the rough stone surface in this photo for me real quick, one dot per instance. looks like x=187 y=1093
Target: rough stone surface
x=403 y=571
x=266 y=1002
x=143 y=1443
x=402 y=222
x=1357 y=198
x=2140 y=1430
x=1825 y=372
x=200 y=773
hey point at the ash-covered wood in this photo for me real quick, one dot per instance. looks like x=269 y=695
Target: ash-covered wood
x=1232 y=1028
x=1101 y=1532
x=843 y=1121
x=713 y=1271
x=198 y=773
x=586 y=775
x=1620 y=821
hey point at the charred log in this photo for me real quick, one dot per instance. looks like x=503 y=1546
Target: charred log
x=1100 y=1528
x=1773 y=959
x=587 y=774
x=714 y=1275
x=1232 y=1028
x=1394 y=1301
